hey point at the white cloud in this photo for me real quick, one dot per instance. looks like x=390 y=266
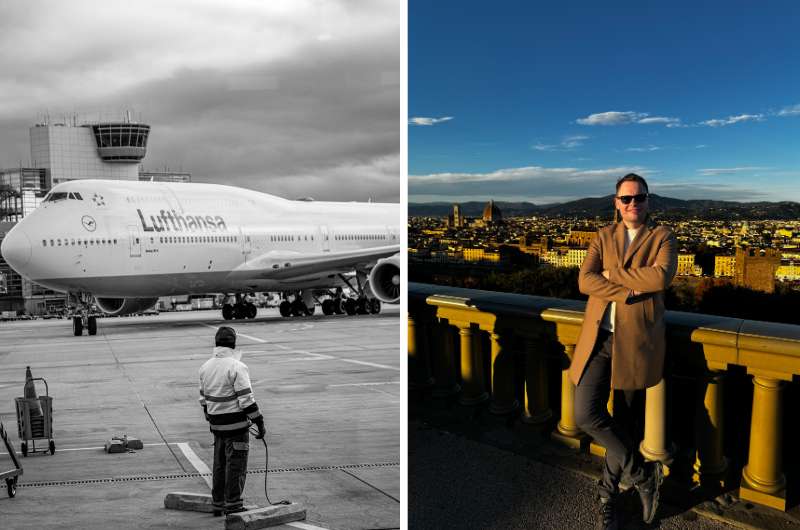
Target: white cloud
x=730 y=120
x=669 y=122
x=624 y=118
x=532 y=174
x=720 y=191
x=730 y=170
x=644 y=149
x=429 y=121
x=700 y=146
x=612 y=118
x=793 y=110
x=567 y=143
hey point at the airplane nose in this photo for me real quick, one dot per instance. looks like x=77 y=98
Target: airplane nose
x=16 y=248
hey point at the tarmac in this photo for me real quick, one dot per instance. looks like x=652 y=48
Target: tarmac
x=329 y=388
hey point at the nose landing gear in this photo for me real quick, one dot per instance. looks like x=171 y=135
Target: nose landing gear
x=83 y=315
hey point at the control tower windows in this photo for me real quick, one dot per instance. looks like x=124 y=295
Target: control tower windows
x=121 y=142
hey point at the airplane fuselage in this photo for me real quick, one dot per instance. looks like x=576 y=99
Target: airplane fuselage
x=140 y=239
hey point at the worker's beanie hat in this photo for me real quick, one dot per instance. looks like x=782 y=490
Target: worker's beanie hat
x=226 y=336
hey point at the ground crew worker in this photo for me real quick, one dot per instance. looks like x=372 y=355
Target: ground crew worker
x=229 y=406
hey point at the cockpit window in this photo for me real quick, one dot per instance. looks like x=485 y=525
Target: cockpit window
x=61 y=195
x=56 y=196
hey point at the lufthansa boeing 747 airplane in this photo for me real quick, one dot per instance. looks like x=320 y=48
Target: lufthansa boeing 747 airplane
x=126 y=243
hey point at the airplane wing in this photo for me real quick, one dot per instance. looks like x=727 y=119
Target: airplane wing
x=281 y=265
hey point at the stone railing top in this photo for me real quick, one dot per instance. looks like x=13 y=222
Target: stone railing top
x=761 y=346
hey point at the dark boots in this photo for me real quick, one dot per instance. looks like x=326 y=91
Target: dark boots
x=648 y=490
x=608 y=518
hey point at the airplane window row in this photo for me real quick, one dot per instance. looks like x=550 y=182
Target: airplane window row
x=79 y=241
x=197 y=239
x=360 y=237
x=291 y=238
x=62 y=195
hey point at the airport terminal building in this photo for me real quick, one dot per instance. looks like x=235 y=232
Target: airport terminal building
x=61 y=151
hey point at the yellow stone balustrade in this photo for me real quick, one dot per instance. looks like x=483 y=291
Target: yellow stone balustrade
x=447 y=324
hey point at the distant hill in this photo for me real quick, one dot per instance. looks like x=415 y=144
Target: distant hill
x=662 y=207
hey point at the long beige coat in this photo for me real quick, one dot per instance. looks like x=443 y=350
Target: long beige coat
x=639 y=333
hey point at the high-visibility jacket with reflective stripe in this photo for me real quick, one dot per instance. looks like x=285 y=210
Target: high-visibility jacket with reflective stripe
x=225 y=392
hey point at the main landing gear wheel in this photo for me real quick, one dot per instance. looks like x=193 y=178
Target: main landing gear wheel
x=227 y=311
x=350 y=306
x=362 y=306
x=327 y=306
x=251 y=310
x=375 y=306
x=77 y=326
x=299 y=308
x=285 y=308
x=92 y=326
x=338 y=306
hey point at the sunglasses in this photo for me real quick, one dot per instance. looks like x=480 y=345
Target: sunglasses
x=638 y=199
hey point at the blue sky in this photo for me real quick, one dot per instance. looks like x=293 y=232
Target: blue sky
x=548 y=102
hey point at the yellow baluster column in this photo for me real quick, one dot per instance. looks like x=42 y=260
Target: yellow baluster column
x=472 y=391
x=444 y=363
x=654 y=446
x=567 y=431
x=763 y=480
x=710 y=464
x=419 y=371
x=537 y=407
x=502 y=366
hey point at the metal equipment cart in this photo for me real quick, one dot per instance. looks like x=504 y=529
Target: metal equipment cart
x=10 y=476
x=33 y=426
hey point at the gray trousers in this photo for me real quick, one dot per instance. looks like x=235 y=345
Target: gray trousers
x=615 y=433
x=230 y=470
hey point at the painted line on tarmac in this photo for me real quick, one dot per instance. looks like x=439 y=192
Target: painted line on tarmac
x=365 y=363
x=256 y=339
x=198 y=464
x=102 y=448
x=365 y=384
x=305 y=526
x=323 y=357
x=320 y=356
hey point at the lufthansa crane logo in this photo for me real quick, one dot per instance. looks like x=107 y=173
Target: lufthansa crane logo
x=88 y=223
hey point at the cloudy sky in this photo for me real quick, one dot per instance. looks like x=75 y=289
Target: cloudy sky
x=549 y=102
x=291 y=97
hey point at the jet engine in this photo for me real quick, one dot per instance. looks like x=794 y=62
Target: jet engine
x=384 y=279
x=124 y=306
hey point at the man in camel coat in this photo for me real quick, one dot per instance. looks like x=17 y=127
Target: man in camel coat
x=622 y=341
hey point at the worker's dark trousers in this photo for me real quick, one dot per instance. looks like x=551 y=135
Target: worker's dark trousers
x=230 y=470
x=614 y=433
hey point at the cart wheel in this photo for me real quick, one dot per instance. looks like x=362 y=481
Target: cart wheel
x=52 y=447
x=11 y=484
x=24 y=447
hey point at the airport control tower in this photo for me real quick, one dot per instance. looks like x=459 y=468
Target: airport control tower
x=70 y=149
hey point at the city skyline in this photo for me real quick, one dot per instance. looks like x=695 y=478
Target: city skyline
x=293 y=98
x=547 y=104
